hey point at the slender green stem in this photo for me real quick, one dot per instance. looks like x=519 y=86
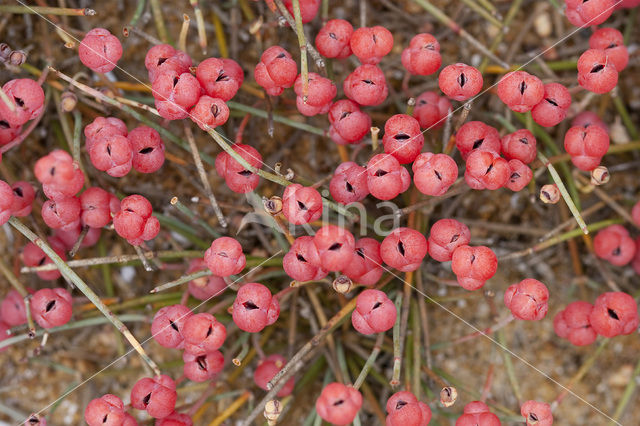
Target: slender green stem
x=370 y=361
x=175 y=202
x=397 y=344
x=77 y=136
x=417 y=358
x=506 y=356
x=302 y=43
x=137 y=13
x=624 y=115
x=182 y=280
x=156 y=10
x=483 y=12
x=278 y=118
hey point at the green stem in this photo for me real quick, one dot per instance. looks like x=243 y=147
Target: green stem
x=397 y=344
x=137 y=13
x=175 y=202
x=509 y=366
x=156 y=10
x=370 y=361
x=624 y=115
x=278 y=118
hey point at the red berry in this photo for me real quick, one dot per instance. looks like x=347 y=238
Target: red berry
x=573 y=324
x=12 y=309
x=612 y=42
x=321 y=92
x=32 y=255
x=308 y=9
x=335 y=246
x=134 y=220
x=333 y=39
x=486 y=170
x=200 y=366
x=156 y=395
x=237 y=178
x=366 y=85
x=520 y=145
x=404 y=249
x=302 y=262
x=174 y=419
x=614 y=245
x=404 y=409
x=163 y=57
x=588 y=118
x=527 y=300
x=204 y=288
x=100 y=50
x=477 y=135
x=596 y=72
x=113 y=155
x=59 y=175
x=97 y=206
x=225 y=257
x=69 y=237
x=371 y=44
x=168 y=324
x=519 y=175
x=7 y=133
x=587 y=13
x=403 y=138
x=28 y=101
x=374 y=313
x=63 y=213
x=349 y=183
x=23 y=196
x=386 y=178
x=208 y=112
x=520 y=91
x=202 y=332
x=220 y=78
x=338 y=404
x=366 y=265
x=553 y=107
x=301 y=204
x=445 y=236
x=51 y=307
x=147 y=149
x=348 y=124
x=276 y=70
x=267 y=369
x=536 y=413
x=255 y=308
x=175 y=93
x=587 y=146
x=433 y=174
x=108 y=410
x=473 y=266
x=6 y=202
x=431 y=110
x=614 y=314
x=477 y=413
x=422 y=57
x=103 y=127
x=460 y=81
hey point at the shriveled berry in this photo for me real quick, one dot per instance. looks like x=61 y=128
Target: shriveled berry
x=374 y=312
x=473 y=266
x=445 y=236
x=404 y=249
x=614 y=314
x=255 y=308
x=338 y=404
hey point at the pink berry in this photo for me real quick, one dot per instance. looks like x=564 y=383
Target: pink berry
x=335 y=246
x=147 y=149
x=460 y=81
x=267 y=369
x=404 y=409
x=422 y=57
x=366 y=265
x=163 y=57
x=168 y=325
x=321 y=92
x=338 y=404
x=596 y=72
x=276 y=70
x=404 y=249
x=174 y=419
x=23 y=196
x=28 y=101
x=586 y=145
x=134 y=221
x=100 y=50
x=97 y=206
x=103 y=127
x=59 y=174
x=445 y=236
x=433 y=174
x=477 y=135
x=386 y=178
x=51 y=307
x=220 y=78
x=333 y=39
x=32 y=255
x=520 y=91
x=371 y=44
x=614 y=245
x=237 y=178
x=302 y=262
x=612 y=42
x=301 y=204
x=536 y=413
x=573 y=324
x=255 y=308
x=202 y=332
x=588 y=118
x=366 y=85
x=348 y=124
x=225 y=257
x=477 y=413
x=519 y=175
x=431 y=110
x=175 y=94
x=204 y=288
x=200 y=366
x=113 y=155
x=63 y=213
x=628 y=4
x=520 y=145
x=108 y=410
x=156 y=395
x=374 y=313
x=553 y=107
x=69 y=237
x=6 y=202
x=403 y=138
x=349 y=183
x=209 y=113
x=614 y=314
x=308 y=9
x=527 y=300
x=486 y=170
x=7 y=132
x=587 y=13
x=12 y=309
x=473 y=266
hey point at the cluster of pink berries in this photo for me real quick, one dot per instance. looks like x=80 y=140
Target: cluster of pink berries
x=599 y=66
x=49 y=307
